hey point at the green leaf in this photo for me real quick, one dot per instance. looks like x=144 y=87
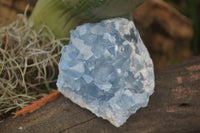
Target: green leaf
x=64 y=15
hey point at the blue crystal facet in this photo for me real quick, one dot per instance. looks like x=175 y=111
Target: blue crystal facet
x=107 y=69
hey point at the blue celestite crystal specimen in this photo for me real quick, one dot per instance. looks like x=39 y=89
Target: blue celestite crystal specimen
x=107 y=69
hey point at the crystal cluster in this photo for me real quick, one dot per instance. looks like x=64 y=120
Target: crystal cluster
x=107 y=69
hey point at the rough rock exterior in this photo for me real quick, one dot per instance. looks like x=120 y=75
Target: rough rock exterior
x=107 y=69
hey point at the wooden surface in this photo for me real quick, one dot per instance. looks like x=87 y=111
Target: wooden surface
x=173 y=108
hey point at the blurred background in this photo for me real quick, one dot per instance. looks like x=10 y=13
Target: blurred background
x=191 y=9
x=169 y=28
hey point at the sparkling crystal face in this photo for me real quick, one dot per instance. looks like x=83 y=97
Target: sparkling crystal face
x=107 y=69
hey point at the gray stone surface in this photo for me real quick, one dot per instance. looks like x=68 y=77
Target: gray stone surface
x=107 y=69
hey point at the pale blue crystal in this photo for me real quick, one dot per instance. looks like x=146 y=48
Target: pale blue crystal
x=107 y=69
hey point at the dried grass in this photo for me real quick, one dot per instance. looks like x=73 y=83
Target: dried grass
x=28 y=64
